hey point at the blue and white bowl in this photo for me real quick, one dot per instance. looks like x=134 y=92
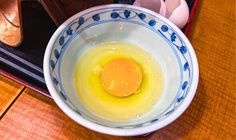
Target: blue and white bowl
x=150 y=31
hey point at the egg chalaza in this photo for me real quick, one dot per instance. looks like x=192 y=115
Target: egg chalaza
x=118 y=81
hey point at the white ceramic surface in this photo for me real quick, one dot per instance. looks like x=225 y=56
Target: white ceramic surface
x=148 y=30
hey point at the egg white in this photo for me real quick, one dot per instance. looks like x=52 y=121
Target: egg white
x=92 y=95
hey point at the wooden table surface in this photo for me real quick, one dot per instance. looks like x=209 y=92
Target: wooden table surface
x=26 y=114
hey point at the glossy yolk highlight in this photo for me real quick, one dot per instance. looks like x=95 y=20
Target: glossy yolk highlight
x=121 y=77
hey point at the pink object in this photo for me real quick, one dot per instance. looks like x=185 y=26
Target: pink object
x=157 y=6
x=176 y=11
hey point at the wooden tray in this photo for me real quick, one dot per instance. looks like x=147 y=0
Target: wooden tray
x=24 y=64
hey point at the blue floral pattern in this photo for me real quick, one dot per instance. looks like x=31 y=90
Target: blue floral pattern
x=114 y=15
x=81 y=20
x=133 y=16
x=152 y=22
x=69 y=31
x=96 y=17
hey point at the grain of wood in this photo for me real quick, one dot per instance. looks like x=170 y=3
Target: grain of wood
x=211 y=115
x=9 y=90
x=37 y=117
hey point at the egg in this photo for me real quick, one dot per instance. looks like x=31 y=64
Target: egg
x=157 y=6
x=176 y=11
x=118 y=81
x=121 y=77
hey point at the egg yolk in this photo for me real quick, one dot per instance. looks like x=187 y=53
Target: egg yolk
x=121 y=77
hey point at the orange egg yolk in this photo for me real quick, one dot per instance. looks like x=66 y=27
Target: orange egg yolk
x=121 y=77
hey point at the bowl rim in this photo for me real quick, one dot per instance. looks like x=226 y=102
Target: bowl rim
x=116 y=131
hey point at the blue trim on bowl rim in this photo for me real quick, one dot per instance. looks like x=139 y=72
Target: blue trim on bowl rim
x=169 y=41
x=97 y=23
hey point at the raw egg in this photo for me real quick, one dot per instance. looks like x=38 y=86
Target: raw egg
x=118 y=81
x=121 y=77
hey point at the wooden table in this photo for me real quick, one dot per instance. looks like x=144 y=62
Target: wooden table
x=26 y=114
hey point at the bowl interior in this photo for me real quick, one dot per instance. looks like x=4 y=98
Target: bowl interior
x=124 y=24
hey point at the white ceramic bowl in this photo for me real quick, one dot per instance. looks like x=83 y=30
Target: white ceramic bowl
x=150 y=31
